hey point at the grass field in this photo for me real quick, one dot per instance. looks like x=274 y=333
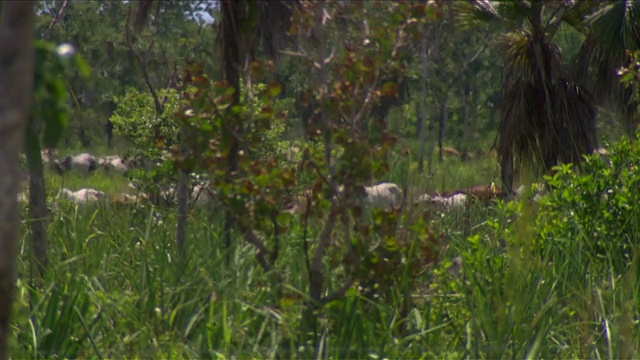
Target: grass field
x=534 y=281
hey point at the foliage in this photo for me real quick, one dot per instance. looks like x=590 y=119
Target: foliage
x=95 y=29
x=521 y=288
x=612 y=30
x=136 y=120
x=379 y=251
x=52 y=64
x=555 y=279
x=591 y=210
x=630 y=79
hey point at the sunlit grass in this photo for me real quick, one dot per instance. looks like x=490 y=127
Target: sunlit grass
x=118 y=288
x=111 y=183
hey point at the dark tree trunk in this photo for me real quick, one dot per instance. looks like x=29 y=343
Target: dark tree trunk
x=183 y=199
x=38 y=212
x=422 y=134
x=420 y=108
x=432 y=144
x=231 y=63
x=109 y=130
x=16 y=87
x=444 y=115
x=466 y=124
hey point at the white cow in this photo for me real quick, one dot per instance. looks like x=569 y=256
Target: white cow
x=535 y=192
x=82 y=196
x=202 y=194
x=84 y=163
x=113 y=162
x=23 y=197
x=442 y=202
x=384 y=195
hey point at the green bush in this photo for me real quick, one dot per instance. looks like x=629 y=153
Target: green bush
x=594 y=211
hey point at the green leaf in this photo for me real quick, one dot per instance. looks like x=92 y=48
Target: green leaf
x=83 y=67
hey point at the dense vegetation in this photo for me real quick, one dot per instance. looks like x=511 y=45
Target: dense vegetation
x=275 y=101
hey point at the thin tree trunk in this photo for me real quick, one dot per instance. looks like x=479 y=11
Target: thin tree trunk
x=38 y=212
x=466 y=124
x=506 y=166
x=183 y=199
x=432 y=143
x=16 y=87
x=420 y=108
x=444 y=115
x=422 y=134
x=231 y=64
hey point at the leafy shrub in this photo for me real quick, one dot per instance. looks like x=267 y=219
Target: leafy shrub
x=593 y=211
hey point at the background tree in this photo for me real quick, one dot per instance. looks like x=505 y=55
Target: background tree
x=16 y=82
x=245 y=25
x=611 y=28
x=96 y=30
x=547 y=114
x=47 y=122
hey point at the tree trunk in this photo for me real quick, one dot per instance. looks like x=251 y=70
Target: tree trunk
x=466 y=125
x=231 y=63
x=432 y=144
x=16 y=87
x=444 y=115
x=38 y=212
x=506 y=166
x=422 y=134
x=183 y=199
x=420 y=109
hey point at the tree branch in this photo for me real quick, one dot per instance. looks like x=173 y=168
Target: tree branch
x=47 y=34
x=317 y=277
x=143 y=64
x=251 y=238
x=338 y=293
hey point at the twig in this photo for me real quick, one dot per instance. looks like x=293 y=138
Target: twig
x=317 y=278
x=47 y=34
x=338 y=293
x=305 y=244
x=276 y=237
x=252 y=239
x=171 y=84
x=143 y=64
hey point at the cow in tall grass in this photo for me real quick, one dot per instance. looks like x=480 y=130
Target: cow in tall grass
x=83 y=163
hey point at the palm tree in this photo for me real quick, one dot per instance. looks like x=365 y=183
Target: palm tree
x=613 y=28
x=547 y=115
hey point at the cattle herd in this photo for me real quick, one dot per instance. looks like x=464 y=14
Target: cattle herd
x=86 y=163
x=384 y=195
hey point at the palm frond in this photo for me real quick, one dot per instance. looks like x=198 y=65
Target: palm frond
x=575 y=124
x=253 y=25
x=470 y=14
x=614 y=29
x=521 y=60
x=579 y=12
x=545 y=118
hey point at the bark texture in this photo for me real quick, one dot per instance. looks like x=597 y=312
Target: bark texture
x=16 y=83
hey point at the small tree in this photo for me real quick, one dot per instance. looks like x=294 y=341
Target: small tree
x=346 y=72
x=46 y=125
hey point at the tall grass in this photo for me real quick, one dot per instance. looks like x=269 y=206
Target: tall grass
x=118 y=288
